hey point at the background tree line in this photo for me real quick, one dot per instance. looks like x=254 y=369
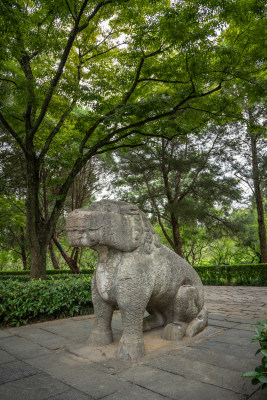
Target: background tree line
x=131 y=83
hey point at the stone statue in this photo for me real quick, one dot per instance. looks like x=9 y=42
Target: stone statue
x=138 y=274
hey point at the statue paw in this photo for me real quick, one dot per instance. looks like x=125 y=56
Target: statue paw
x=174 y=331
x=100 y=338
x=198 y=323
x=131 y=348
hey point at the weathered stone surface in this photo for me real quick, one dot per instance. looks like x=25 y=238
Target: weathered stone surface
x=43 y=338
x=175 y=386
x=259 y=395
x=35 y=387
x=15 y=370
x=219 y=359
x=5 y=357
x=79 y=374
x=228 y=348
x=204 y=372
x=135 y=393
x=72 y=394
x=21 y=348
x=138 y=274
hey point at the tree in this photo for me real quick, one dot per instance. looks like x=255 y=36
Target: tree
x=250 y=163
x=82 y=77
x=181 y=182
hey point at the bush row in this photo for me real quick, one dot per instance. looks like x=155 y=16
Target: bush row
x=250 y=274
x=51 y=274
x=22 y=302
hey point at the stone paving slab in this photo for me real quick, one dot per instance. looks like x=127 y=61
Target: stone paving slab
x=53 y=361
x=222 y=377
x=5 y=357
x=42 y=337
x=15 y=370
x=21 y=348
x=36 y=387
x=175 y=386
x=217 y=359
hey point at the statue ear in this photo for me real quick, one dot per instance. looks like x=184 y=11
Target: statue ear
x=122 y=231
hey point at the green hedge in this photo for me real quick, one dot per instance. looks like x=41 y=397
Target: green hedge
x=22 y=302
x=239 y=274
x=24 y=276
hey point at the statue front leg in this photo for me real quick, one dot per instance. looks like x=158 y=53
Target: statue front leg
x=101 y=334
x=132 y=300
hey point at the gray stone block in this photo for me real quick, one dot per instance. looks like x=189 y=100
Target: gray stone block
x=223 y=324
x=5 y=357
x=43 y=338
x=16 y=370
x=259 y=395
x=21 y=348
x=234 y=339
x=204 y=372
x=80 y=374
x=71 y=394
x=5 y=333
x=226 y=348
x=175 y=386
x=134 y=392
x=35 y=387
x=223 y=360
x=71 y=329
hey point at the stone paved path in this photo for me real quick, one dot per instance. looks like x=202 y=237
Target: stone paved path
x=52 y=360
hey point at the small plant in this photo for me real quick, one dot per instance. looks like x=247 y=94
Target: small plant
x=260 y=373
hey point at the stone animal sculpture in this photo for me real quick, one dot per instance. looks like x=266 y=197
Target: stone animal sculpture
x=138 y=274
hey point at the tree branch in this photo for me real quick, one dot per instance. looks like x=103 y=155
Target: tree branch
x=66 y=1
x=12 y=132
x=76 y=29
x=55 y=131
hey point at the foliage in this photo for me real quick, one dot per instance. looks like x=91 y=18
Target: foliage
x=22 y=302
x=24 y=276
x=250 y=275
x=260 y=373
x=80 y=78
x=181 y=182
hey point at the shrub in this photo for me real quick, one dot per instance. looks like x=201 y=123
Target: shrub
x=250 y=274
x=21 y=302
x=24 y=276
x=260 y=373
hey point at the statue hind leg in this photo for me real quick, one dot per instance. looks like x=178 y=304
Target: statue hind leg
x=189 y=317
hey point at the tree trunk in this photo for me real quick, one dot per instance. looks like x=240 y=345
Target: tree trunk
x=71 y=263
x=258 y=198
x=178 y=248
x=38 y=261
x=36 y=232
x=23 y=250
x=53 y=256
x=24 y=258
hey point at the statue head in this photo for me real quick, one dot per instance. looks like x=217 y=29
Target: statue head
x=110 y=223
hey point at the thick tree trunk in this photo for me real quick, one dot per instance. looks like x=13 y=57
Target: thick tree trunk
x=23 y=250
x=258 y=198
x=178 y=248
x=24 y=258
x=36 y=232
x=38 y=261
